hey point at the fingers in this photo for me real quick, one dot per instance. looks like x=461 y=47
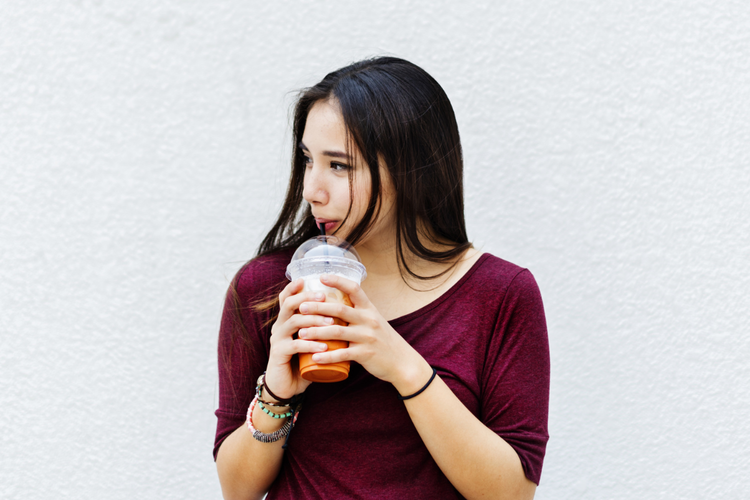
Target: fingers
x=289 y=290
x=297 y=346
x=352 y=334
x=292 y=296
x=333 y=356
x=305 y=321
x=287 y=329
x=329 y=309
x=349 y=287
x=335 y=332
x=289 y=321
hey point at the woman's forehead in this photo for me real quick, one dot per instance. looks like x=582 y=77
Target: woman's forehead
x=325 y=132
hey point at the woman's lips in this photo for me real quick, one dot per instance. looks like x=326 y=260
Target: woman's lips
x=330 y=225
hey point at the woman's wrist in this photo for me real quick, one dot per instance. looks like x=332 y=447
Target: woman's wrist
x=269 y=396
x=413 y=377
x=269 y=420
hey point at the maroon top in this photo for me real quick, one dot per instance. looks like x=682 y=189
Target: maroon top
x=487 y=338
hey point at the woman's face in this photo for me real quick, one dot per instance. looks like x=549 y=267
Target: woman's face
x=326 y=181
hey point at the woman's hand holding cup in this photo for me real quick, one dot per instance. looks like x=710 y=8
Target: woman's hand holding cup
x=282 y=375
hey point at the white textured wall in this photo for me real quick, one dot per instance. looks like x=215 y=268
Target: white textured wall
x=143 y=149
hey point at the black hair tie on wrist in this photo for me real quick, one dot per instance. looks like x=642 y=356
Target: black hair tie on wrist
x=291 y=401
x=420 y=391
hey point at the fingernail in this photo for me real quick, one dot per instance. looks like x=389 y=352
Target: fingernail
x=322 y=347
x=316 y=357
x=303 y=333
x=328 y=321
x=320 y=296
x=303 y=308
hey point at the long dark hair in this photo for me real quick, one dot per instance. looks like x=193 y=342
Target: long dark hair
x=392 y=110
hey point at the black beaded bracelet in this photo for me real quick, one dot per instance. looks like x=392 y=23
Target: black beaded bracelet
x=420 y=391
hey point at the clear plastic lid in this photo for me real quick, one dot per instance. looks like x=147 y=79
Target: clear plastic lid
x=326 y=255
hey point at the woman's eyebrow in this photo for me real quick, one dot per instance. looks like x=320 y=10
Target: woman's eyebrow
x=334 y=154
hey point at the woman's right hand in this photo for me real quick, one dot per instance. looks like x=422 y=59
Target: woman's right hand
x=281 y=376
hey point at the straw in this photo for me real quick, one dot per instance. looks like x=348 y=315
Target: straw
x=322 y=227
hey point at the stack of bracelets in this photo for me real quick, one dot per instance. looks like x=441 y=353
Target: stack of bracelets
x=294 y=404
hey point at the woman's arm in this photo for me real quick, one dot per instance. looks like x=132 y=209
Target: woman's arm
x=478 y=462
x=246 y=466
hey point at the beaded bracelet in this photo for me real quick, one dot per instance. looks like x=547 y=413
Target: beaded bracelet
x=295 y=403
x=274 y=436
x=274 y=405
x=273 y=414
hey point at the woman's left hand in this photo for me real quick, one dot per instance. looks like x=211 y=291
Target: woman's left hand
x=373 y=343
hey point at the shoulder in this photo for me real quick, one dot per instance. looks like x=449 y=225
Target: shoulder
x=499 y=273
x=262 y=275
x=514 y=287
x=518 y=298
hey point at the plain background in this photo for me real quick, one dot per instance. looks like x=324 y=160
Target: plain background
x=143 y=154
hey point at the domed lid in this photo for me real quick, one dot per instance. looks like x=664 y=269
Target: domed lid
x=326 y=255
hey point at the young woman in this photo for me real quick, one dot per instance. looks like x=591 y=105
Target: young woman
x=449 y=385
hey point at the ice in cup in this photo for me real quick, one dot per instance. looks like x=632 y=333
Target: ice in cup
x=325 y=255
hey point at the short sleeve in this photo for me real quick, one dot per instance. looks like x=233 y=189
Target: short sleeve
x=244 y=342
x=515 y=379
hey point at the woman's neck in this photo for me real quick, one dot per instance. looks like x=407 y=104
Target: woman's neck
x=382 y=261
x=394 y=294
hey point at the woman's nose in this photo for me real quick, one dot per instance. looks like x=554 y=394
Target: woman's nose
x=314 y=189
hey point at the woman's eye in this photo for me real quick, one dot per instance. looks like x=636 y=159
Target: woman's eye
x=339 y=167
x=306 y=160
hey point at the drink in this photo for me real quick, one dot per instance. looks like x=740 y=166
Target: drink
x=325 y=255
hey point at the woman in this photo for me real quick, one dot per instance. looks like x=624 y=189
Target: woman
x=448 y=391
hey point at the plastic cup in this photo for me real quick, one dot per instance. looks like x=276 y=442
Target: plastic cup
x=325 y=255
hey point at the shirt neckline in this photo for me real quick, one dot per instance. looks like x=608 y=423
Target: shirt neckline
x=442 y=298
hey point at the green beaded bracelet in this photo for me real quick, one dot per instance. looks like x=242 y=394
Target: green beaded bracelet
x=272 y=414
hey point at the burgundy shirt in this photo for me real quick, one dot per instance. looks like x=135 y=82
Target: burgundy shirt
x=487 y=338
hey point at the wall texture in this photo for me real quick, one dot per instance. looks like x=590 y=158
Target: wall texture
x=143 y=151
